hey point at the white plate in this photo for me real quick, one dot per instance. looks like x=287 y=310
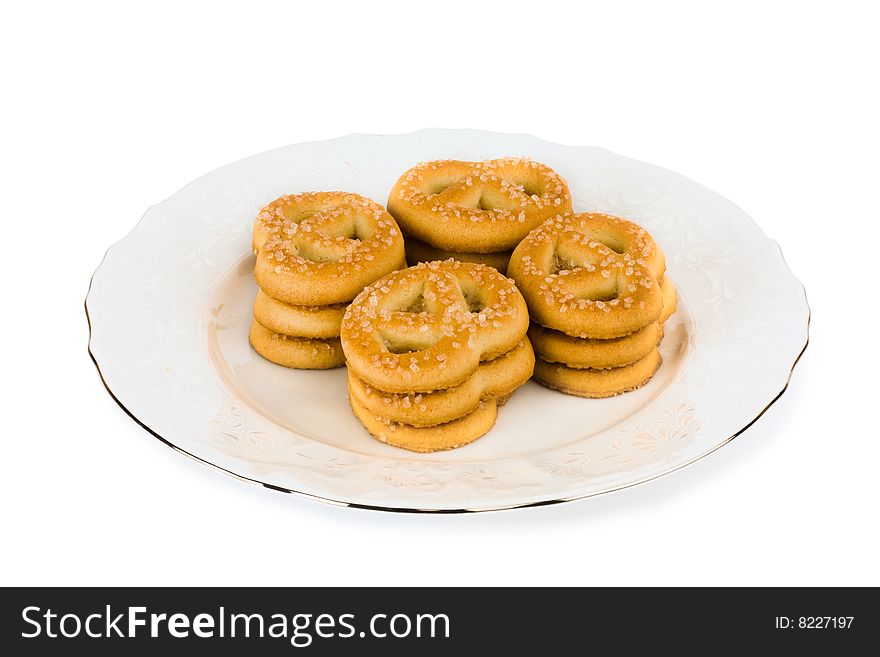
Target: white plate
x=170 y=306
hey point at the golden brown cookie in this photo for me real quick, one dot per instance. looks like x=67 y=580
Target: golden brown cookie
x=477 y=207
x=440 y=437
x=301 y=321
x=322 y=248
x=591 y=353
x=299 y=353
x=590 y=275
x=428 y=327
x=597 y=383
x=494 y=379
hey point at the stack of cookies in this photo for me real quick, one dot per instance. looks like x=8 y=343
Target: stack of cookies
x=432 y=352
x=474 y=211
x=314 y=253
x=597 y=298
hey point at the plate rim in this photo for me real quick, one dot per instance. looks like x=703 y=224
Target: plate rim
x=461 y=510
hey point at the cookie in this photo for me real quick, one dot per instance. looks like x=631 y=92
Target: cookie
x=428 y=327
x=323 y=248
x=591 y=353
x=301 y=321
x=314 y=253
x=597 y=383
x=493 y=379
x=590 y=275
x=476 y=207
x=299 y=353
x=437 y=438
x=433 y=350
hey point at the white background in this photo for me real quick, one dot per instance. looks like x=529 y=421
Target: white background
x=108 y=109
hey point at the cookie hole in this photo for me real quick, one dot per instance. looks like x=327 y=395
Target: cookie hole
x=614 y=246
x=354 y=229
x=473 y=296
x=360 y=231
x=610 y=241
x=416 y=306
x=438 y=185
x=484 y=204
x=604 y=296
x=475 y=303
x=401 y=343
x=608 y=290
x=399 y=348
x=301 y=216
x=562 y=264
x=530 y=190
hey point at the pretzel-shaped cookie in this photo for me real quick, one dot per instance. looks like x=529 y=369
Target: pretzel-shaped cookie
x=296 y=352
x=322 y=248
x=448 y=435
x=428 y=327
x=477 y=207
x=494 y=379
x=598 y=383
x=585 y=353
x=590 y=275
